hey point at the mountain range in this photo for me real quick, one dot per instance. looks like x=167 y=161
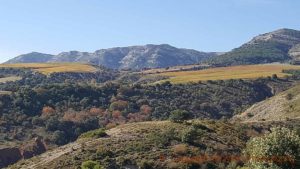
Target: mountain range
x=133 y=57
x=282 y=45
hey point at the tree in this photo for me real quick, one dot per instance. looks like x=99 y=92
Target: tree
x=59 y=137
x=48 y=111
x=274 y=76
x=179 y=116
x=280 y=149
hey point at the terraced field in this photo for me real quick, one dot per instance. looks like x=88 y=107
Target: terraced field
x=48 y=68
x=233 y=72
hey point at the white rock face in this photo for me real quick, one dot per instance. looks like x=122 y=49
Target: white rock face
x=285 y=36
x=295 y=52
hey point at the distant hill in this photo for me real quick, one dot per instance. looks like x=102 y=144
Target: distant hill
x=133 y=57
x=33 y=57
x=277 y=46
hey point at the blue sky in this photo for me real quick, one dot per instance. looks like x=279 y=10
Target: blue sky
x=53 y=26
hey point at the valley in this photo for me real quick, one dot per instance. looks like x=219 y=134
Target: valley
x=154 y=106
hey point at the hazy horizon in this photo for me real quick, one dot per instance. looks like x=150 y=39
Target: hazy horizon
x=64 y=25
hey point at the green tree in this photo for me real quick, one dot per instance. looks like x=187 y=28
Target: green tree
x=179 y=116
x=278 y=150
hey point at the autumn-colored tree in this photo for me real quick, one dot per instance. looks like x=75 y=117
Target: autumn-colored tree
x=116 y=114
x=146 y=109
x=96 y=111
x=81 y=116
x=47 y=111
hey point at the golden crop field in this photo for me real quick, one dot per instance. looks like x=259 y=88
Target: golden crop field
x=48 y=68
x=10 y=79
x=233 y=72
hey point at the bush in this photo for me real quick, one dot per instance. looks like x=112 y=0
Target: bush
x=94 y=134
x=144 y=164
x=189 y=135
x=164 y=138
x=279 y=149
x=91 y=165
x=178 y=116
x=180 y=149
x=289 y=96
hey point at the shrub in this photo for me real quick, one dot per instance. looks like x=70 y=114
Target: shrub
x=144 y=164
x=164 y=138
x=178 y=116
x=189 y=135
x=279 y=149
x=91 y=165
x=289 y=96
x=94 y=134
x=180 y=149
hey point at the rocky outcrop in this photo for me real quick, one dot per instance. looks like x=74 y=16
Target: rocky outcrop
x=9 y=156
x=12 y=155
x=33 y=148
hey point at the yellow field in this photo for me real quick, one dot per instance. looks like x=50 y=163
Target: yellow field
x=233 y=72
x=5 y=92
x=48 y=68
x=10 y=79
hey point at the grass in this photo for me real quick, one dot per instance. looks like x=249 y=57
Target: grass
x=292 y=107
x=10 y=79
x=233 y=72
x=48 y=68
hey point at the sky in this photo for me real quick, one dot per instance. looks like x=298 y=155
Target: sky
x=54 y=26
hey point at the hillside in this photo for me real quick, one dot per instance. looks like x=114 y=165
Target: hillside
x=159 y=145
x=155 y=144
x=277 y=46
x=283 y=106
x=133 y=57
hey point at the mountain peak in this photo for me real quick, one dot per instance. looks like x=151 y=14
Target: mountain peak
x=32 y=57
x=284 y=36
x=285 y=30
x=277 y=46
